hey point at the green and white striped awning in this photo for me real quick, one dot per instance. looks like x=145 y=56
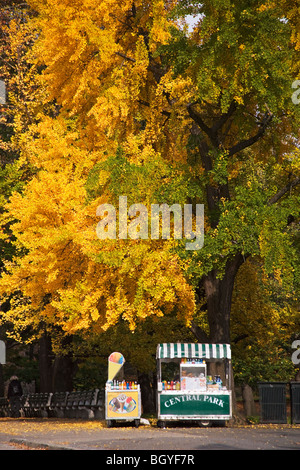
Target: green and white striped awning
x=193 y=350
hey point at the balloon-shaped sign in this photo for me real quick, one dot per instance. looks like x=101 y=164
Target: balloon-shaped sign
x=115 y=362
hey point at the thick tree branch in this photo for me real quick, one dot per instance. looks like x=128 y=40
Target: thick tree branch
x=239 y=338
x=125 y=57
x=211 y=132
x=198 y=120
x=248 y=142
x=224 y=117
x=198 y=332
x=284 y=190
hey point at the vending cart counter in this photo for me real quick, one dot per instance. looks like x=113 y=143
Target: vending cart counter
x=122 y=399
x=123 y=405
x=194 y=395
x=194 y=405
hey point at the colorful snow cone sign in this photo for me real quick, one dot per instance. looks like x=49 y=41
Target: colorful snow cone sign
x=115 y=363
x=122 y=398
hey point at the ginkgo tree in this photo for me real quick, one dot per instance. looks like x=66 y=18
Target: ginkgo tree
x=162 y=112
x=18 y=110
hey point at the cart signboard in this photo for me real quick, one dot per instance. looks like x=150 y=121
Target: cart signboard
x=123 y=404
x=195 y=405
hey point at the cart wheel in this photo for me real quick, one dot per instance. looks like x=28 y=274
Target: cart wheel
x=204 y=424
x=136 y=423
x=109 y=423
x=161 y=424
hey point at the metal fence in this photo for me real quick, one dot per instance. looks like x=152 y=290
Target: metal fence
x=295 y=402
x=273 y=402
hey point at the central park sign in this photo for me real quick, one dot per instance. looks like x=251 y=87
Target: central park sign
x=195 y=404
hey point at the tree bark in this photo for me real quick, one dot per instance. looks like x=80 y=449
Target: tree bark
x=45 y=367
x=63 y=368
x=147 y=394
x=56 y=373
x=248 y=400
x=63 y=372
x=219 y=295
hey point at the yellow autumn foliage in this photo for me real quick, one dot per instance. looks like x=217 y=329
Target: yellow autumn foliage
x=106 y=83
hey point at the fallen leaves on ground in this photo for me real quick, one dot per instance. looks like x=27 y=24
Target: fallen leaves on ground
x=15 y=426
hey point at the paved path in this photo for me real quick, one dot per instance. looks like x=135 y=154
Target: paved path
x=80 y=435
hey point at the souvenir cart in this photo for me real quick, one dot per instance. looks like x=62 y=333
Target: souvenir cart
x=192 y=390
x=122 y=398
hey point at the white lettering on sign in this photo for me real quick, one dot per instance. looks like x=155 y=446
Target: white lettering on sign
x=203 y=398
x=210 y=399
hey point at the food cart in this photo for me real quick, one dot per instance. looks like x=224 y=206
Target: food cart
x=192 y=390
x=122 y=398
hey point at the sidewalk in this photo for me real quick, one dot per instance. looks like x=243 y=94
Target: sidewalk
x=62 y=434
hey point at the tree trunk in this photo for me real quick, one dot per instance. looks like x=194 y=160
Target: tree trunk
x=45 y=366
x=63 y=372
x=219 y=295
x=147 y=395
x=63 y=368
x=248 y=400
x=55 y=375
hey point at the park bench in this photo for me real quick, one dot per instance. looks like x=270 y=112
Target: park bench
x=72 y=404
x=58 y=404
x=99 y=406
x=83 y=404
x=37 y=405
x=87 y=400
